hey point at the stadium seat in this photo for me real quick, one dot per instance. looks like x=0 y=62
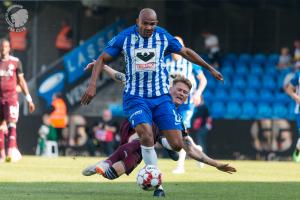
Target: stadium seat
x=282 y=97
x=233 y=110
x=245 y=58
x=273 y=58
x=264 y=111
x=256 y=69
x=211 y=81
x=280 y=110
x=221 y=95
x=266 y=96
x=253 y=82
x=270 y=70
x=226 y=84
x=241 y=69
x=259 y=59
x=236 y=95
x=251 y=95
x=291 y=110
x=208 y=95
x=231 y=57
x=226 y=63
x=248 y=110
x=238 y=82
x=217 y=109
x=227 y=70
x=269 y=83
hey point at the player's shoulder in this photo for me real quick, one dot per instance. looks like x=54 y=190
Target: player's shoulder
x=161 y=30
x=13 y=58
x=128 y=31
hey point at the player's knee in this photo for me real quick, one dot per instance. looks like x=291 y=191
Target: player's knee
x=176 y=145
x=146 y=136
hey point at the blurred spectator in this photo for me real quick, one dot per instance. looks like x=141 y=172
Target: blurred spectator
x=290 y=75
x=105 y=131
x=285 y=59
x=63 y=41
x=297 y=50
x=211 y=43
x=46 y=133
x=59 y=119
x=202 y=124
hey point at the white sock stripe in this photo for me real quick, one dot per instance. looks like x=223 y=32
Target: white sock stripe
x=12 y=125
x=147 y=148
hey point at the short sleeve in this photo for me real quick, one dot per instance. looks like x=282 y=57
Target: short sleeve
x=19 y=68
x=115 y=45
x=174 y=45
x=197 y=69
x=294 y=81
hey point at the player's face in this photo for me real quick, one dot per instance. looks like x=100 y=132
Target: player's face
x=146 y=25
x=179 y=93
x=5 y=48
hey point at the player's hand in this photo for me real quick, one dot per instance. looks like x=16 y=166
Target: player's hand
x=217 y=75
x=89 y=94
x=226 y=168
x=90 y=65
x=31 y=107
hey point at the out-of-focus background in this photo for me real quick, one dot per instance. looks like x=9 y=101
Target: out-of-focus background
x=252 y=116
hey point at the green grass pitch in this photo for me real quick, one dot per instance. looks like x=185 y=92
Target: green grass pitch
x=37 y=178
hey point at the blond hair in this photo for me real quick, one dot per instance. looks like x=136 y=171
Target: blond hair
x=182 y=79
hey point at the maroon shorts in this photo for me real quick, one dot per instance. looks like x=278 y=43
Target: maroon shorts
x=9 y=110
x=130 y=154
x=125 y=131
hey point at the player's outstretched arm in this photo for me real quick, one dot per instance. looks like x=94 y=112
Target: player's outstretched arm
x=24 y=88
x=192 y=56
x=114 y=74
x=191 y=148
x=97 y=68
x=291 y=91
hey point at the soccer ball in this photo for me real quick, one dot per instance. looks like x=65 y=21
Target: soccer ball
x=149 y=177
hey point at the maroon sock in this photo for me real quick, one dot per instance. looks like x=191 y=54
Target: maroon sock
x=2 y=140
x=12 y=137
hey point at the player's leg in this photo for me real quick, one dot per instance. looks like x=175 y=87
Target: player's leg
x=186 y=114
x=169 y=123
x=140 y=117
x=3 y=130
x=296 y=154
x=120 y=154
x=11 y=116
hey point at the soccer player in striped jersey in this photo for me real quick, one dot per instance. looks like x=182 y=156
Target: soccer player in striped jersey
x=128 y=155
x=146 y=96
x=293 y=90
x=176 y=64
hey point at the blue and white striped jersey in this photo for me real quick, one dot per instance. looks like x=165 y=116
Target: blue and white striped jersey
x=146 y=73
x=184 y=67
x=295 y=81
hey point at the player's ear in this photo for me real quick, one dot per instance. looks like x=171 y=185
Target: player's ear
x=137 y=21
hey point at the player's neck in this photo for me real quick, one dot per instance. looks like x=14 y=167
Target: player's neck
x=176 y=57
x=5 y=57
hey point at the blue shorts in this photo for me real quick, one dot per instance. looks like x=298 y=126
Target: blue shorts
x=186 y=111
x=160 y=110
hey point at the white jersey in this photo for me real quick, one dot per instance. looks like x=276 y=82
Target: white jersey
x=189 y=70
